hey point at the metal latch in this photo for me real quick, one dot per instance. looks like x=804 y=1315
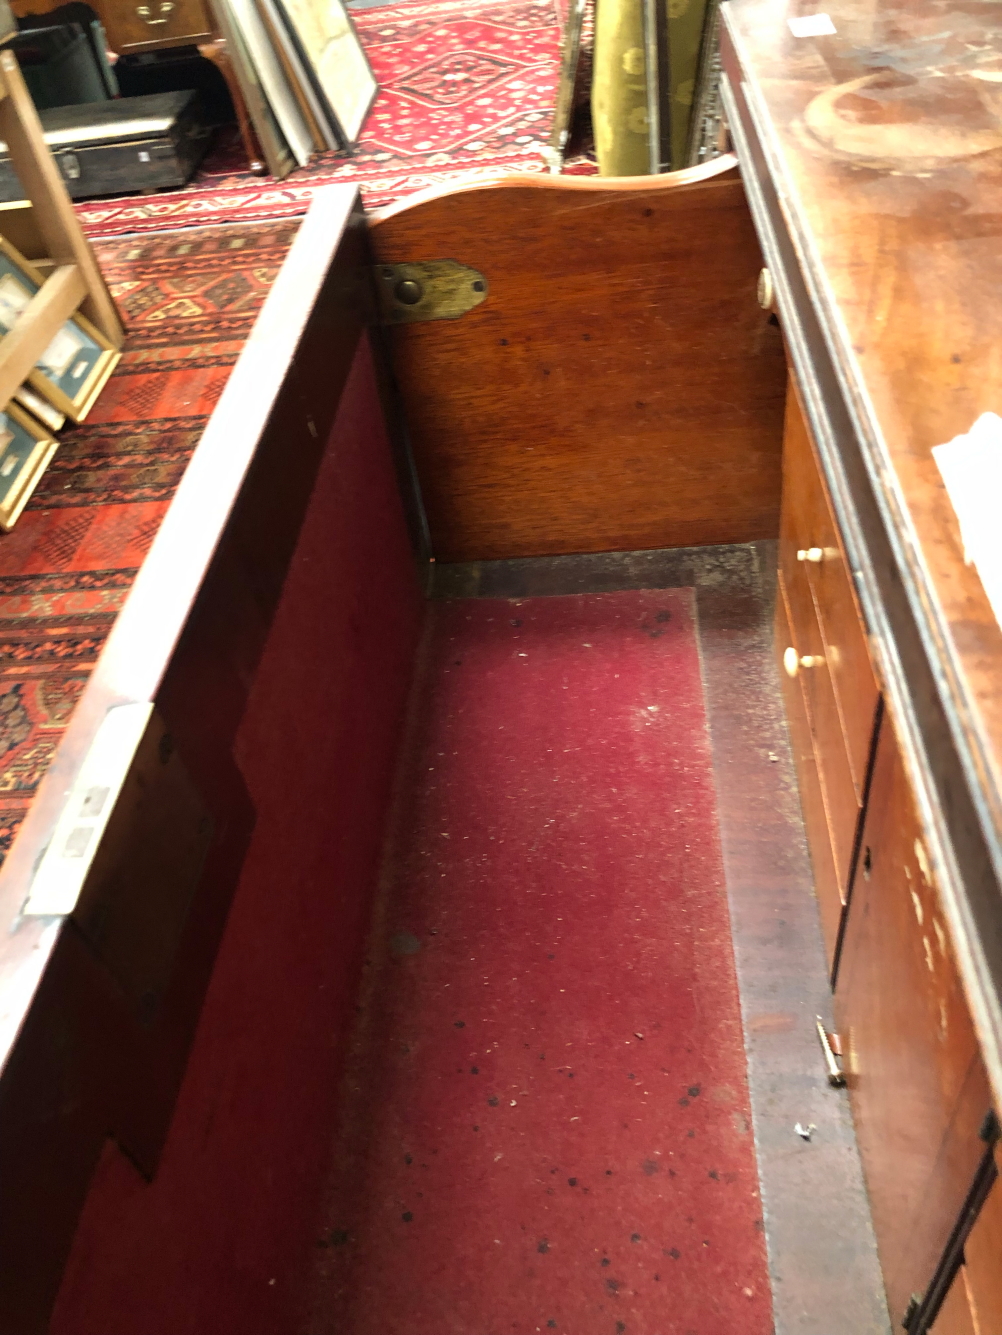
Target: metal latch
x=830 y=1046
x=427 y=290
x=69 y=165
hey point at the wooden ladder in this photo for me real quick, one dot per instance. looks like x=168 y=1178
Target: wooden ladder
x=73 y=281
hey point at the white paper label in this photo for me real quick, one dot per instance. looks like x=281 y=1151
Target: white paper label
x=91 y=800
x=812 y=25
x=971 y=467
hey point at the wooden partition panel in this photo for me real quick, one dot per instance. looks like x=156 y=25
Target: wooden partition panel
x=112 y=988
x=619 y=388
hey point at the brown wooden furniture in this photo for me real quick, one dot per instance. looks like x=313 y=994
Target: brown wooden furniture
x=627 y=392
x=96 y=1024
x=888 y=650
x=133 y=28
x=560 y=437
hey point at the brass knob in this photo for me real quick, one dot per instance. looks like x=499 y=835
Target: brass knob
x=766 y=293
x=793 y=662
x=813 y=554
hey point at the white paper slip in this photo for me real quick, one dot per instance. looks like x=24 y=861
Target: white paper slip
x=812 y=25
x=971 y=468
x=63 y=868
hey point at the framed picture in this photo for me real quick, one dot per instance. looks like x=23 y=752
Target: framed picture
x=74 y=367
x=25 y=450
x=570 y=53
x=659 y=108
x=277 y=153
x=40 y=408
x=328 y=47
x=706 y=129
x=317 y=115
x=273 y=79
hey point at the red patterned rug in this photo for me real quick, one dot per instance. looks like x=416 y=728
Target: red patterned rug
x=467 y=89
x=65 y=569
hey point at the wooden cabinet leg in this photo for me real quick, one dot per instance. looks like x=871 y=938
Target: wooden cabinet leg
x=217 y=52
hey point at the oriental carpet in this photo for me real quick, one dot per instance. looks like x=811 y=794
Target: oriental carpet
x=467 y=90
x=189 y=300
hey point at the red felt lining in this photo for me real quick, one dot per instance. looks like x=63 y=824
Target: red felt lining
x=547 y=1123
x=544 y=1122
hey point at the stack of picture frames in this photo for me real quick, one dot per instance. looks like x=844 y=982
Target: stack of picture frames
x=60 y=335
x=305 y=78
x=682 y=74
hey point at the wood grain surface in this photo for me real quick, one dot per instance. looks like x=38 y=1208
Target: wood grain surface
x=954 y=1317
x=619 y=389
x=873 y=160
x=803 y=497
x=918 y=1086
x=828 y=889
x=839 y=619
x=53 y=213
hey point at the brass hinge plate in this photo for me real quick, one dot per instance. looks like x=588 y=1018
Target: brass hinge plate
x=427 y=290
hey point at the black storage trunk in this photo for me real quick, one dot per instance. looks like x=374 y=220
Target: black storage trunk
x=121 y=146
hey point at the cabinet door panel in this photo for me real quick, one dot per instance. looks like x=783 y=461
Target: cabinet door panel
x=812 y=529
x=841 y=800
x=919 y=1090
x=983 y=1255
x=826 y=883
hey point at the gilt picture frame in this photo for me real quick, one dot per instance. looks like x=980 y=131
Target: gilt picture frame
x=25 y=450
x=75 y=366
x=329 y=49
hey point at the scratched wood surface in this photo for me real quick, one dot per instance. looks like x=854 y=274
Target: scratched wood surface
x=619 y=389
x=884 y=146
x=918 y=1086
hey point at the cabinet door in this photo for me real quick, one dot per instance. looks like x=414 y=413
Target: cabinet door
x=827 y=887
x=983 y=1254
x=918 y=1087
x=811 y=551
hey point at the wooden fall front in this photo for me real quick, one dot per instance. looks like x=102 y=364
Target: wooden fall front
x=619 y=389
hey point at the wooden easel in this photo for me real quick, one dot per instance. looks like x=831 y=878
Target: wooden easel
x=73 y=281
